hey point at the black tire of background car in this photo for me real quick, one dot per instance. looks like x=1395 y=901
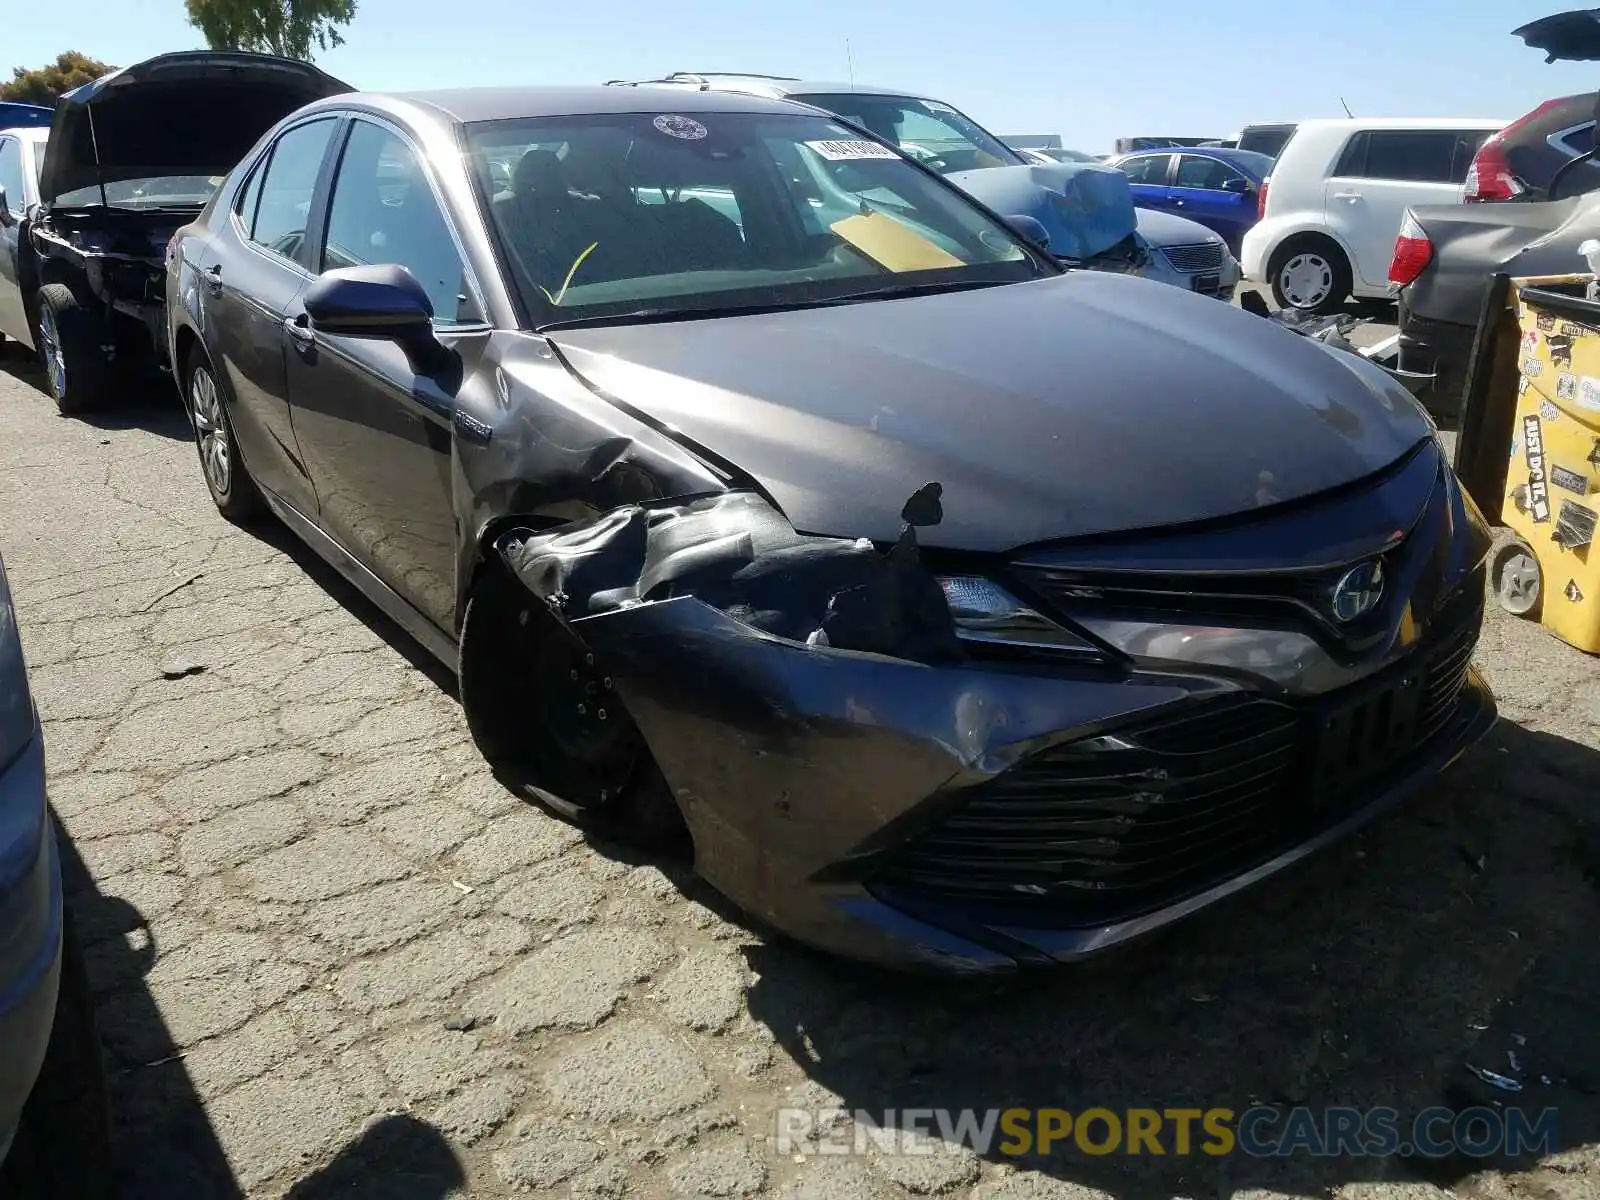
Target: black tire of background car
x=510 y=643
x=1337 y=263
x=242 y=502
x=63 y=1143
x=89 y=377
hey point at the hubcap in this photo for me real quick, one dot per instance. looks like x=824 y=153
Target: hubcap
x=1306 y=280
x=210 y=430
x=55 y=365
x=1519 y=582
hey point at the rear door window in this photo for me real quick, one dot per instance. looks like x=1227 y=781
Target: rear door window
x=1197 y=171
x=1404 y=155
x=287 y=186
x=1147 y=169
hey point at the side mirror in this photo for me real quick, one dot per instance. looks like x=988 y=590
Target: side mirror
x=1030 y=230
x=1239 y=186
x=377 y=302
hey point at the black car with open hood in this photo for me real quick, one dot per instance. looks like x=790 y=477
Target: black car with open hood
x=131 y=157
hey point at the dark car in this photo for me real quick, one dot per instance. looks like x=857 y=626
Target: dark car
x=964 y=610
x=13 y=115
x=54 y=1133
x=21 y=152
x=1217 y=187
x=1520 y=161
x=131 y=157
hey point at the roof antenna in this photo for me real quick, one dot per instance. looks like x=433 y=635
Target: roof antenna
x=1346 y=108
x=850 y=63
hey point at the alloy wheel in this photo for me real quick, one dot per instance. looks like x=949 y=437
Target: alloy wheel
x=1306 y=279
x=55 y=363
x=211 y=430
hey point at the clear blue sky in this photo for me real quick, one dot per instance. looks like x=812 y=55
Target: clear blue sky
x=1086 y=69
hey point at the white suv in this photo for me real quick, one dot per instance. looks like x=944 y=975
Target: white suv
x=1330 y=210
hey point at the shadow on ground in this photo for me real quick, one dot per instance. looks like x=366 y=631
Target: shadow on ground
x=164 y=1145
x=148 y=403
x=1459 y=933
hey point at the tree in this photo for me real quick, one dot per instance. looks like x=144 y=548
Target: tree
x=291 y=28
x=46 y=85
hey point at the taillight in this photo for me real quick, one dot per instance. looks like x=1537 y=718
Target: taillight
x=1261 y=197
x=1412 y=252
x=1490 y=177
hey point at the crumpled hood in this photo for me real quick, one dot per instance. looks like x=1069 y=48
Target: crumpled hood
x=1086 y=208
x=1072 y=405
x=191 y=113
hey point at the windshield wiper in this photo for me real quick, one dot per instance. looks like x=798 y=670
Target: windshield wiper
x=643 y=316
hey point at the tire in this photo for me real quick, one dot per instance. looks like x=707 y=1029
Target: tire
x=1517 y=580
x=545 y=716
x=69 y=339
x=1311 y=275
x=63 y=1142
x=205 y=399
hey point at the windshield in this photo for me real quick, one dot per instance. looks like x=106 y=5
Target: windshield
x=932 y=132
x=155 y=192
x=628 y=213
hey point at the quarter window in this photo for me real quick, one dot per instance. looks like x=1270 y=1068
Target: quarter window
x=11 y=173
x=384 y=211
x=287 y=187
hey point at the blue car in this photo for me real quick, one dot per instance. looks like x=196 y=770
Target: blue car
x=14 y=115
x=53 y=1127
x=1217 y=187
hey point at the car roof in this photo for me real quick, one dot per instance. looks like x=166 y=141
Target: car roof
x=469 y=105
x=1346 y=124
x=776 y=87
x=28 y=133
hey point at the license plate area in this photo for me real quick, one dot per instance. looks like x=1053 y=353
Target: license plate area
x=1354 y=743
x=1209 y=284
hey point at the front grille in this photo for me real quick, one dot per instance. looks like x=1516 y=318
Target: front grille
x=1113 y=826
x=1197 y=256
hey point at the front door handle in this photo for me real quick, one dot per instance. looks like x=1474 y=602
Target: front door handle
x=299 y=330
x=214 y=278
x=1350 y=196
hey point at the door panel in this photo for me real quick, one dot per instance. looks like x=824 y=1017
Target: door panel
x=1198 y=188
x=1380 y=174
x=250 y=288
x=377 y=435
x=13 y=320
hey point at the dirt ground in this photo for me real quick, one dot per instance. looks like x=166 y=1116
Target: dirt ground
x=334 y=957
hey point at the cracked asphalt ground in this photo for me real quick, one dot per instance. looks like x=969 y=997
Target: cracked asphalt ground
x=333 y=956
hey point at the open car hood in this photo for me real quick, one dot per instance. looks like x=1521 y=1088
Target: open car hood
x=1570 y=36
x=1086 y=208
x=192 y=113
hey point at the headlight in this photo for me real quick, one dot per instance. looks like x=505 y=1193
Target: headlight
x=985 y=612
x=16 y=706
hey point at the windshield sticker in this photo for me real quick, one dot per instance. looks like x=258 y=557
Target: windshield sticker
x=1548 y=411
x=1589 y=393
x=1565 y=477
x=849 y=150
x=686 y=128
x=1538 y=489
x=1566 y=386
x=891 y=245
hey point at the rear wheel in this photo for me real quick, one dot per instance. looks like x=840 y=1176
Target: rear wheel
x=63 y=1142
x=1310 y=274
x=70 y=338
x=232 y=489
x=547 y=716
x=1518 y=582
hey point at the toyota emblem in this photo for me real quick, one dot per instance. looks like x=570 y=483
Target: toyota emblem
x=1358 y=591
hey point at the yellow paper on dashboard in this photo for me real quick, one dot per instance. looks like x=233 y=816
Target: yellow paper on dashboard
x=891 y=245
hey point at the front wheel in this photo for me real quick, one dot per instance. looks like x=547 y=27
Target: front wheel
x=70 y=340
x=1311 y=275
x=232 y=489
x=1517 y=580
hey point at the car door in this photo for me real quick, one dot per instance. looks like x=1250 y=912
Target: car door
x=1147 y=179
x=1214 y=193
x=378 y=435
x=13 y=315
x=252 y=270
x=1382 y=172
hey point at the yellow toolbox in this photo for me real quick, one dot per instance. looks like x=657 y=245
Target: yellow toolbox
x=1542 y=395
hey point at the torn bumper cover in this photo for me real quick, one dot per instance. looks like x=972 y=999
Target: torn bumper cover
x=859 y=770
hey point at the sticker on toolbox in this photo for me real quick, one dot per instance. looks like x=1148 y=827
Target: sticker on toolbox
x=1530 y=339
x=1560 y=349
x=1575 y=330
x=1571 y=592
x=1566 y=386
x=1564 y=477
x=1549 y=411
x=1546 y=322
x=1532 y=367
x=1574 y=525
x=1594 y=454
x=1589 y=393
x=1533 y=451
